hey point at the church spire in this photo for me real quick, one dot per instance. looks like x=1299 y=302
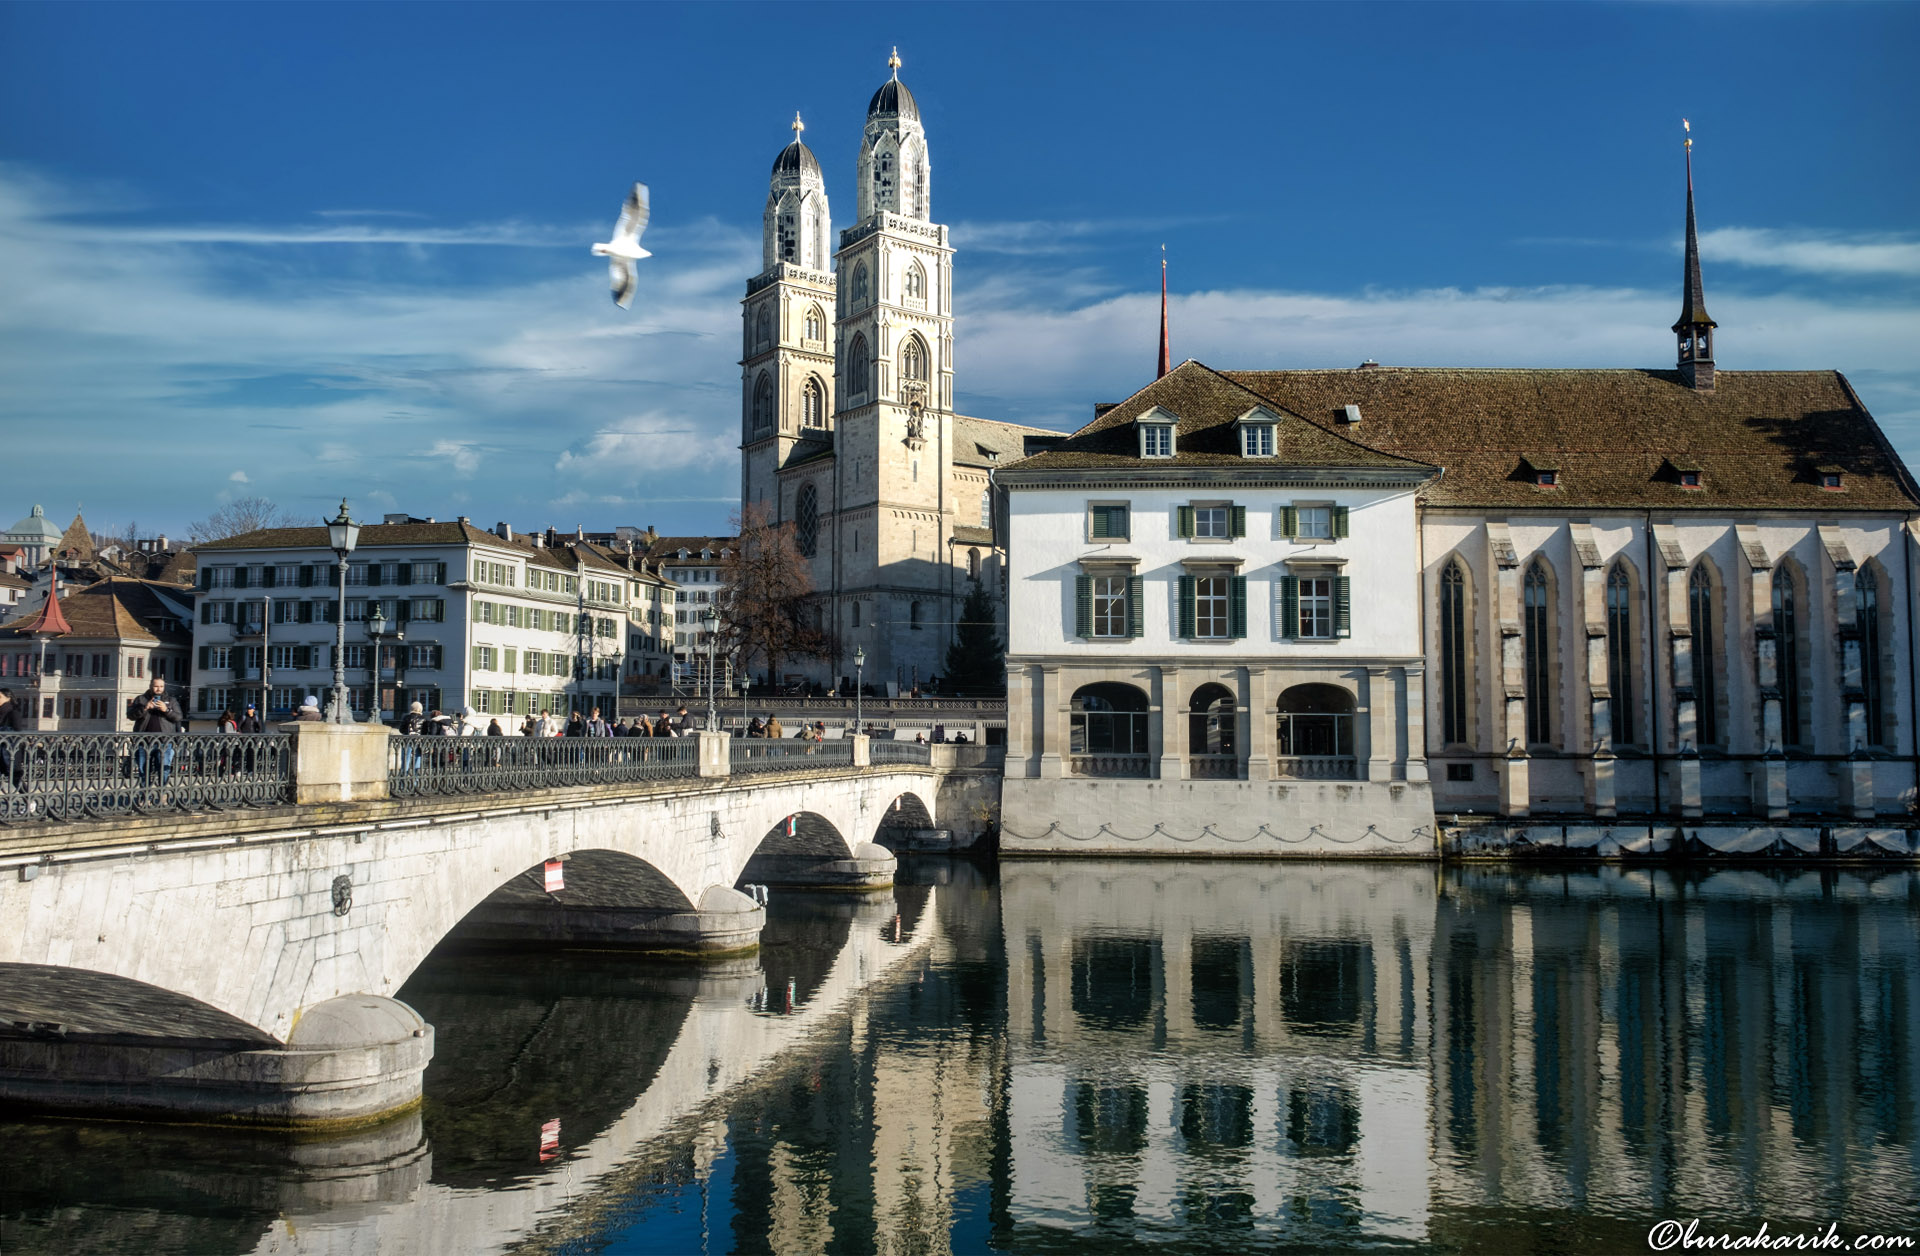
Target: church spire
x=1166 y=356
x=1694 y=328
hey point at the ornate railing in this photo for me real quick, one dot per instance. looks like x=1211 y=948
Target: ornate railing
x=899 y=752
x=1118 y=765
x=1213 y=767
x=477 y=765
x=753 y=754
x=73 y=776
x=1317 y=768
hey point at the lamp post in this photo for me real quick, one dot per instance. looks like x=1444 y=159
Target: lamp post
x=711 y=622
x=859 y=675
x=342 y=534
x=376 y=630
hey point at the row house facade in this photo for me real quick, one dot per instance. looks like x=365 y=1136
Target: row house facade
x=504 y=625
x=74 y=662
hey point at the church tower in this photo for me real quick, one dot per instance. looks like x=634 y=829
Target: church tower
x=786 y=360
x=1694 y=329
x=895 y=391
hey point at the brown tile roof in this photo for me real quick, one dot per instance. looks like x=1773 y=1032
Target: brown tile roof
x=76 y=543
x=976 y=441
x=667 y=548
x=1616 y=438
x=1206 y=404
x=371 y=535
x=116 y=609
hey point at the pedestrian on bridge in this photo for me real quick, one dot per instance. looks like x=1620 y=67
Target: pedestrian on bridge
x=9 y=723
x=155 y=711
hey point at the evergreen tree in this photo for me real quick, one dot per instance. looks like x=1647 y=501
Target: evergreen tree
x=976 y=661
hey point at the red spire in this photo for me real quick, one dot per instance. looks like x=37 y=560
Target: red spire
x=1166 y=357
x=48 y=621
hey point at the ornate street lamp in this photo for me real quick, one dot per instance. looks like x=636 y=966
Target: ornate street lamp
x=859 y=676
x=342 y=534
x=376 y=630
x=711 y=621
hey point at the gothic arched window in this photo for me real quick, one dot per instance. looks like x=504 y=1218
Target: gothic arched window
x=859 y=285
x=859 y=367
x=813 y=404
x=816 y=324
x=1706 y=659
x=986 y=508
x=806 y=520
x=1866 y=594
x=763 y=404
x=1453 y=654
x=1537 y=623
x=913 y=360
x=915 y=285
x=763 y=329
x=1787 y=658
x=1620 y=654
x=973 y=564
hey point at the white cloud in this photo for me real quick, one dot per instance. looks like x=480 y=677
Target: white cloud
x=239 y=477
x=464 y=458
x=1814 y=252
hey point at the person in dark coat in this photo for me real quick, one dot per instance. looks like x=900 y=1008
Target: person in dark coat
x=155 y=711
x=250 y=722
x=9 y=723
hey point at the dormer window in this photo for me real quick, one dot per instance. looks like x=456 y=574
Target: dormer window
x=1832 y=479
x=1538 y=471
x=1256 y=440
x=1689 y=479
x=1156 y=440
x=1546 y=479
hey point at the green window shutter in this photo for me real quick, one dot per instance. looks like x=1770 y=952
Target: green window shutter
x=269 y=576
x=403 y=610
x=1237 y=623
x=1186 y=605
x=1099 y=523
x=1136 y=607
x=1289 y=522
x=1239 y=521
x=373 y=573
x=306 y=576
x=306 y=612
x=239 y=577
x=1339 y=521
x=1083 y=606
x=476 y=658
x=203 y=658
x=1342 y=607
x=403 y=574
x=302 y=657
x=1289 y=605
x=512 y=660
x=206 y=612
x=206 y=577
x=1185 y=514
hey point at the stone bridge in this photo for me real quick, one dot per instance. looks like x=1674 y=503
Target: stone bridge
x=241 y=966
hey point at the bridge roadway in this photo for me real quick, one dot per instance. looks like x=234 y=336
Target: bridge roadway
x=241 y=966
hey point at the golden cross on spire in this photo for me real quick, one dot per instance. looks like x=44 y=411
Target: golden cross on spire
x=798 y=126
x=894 y=61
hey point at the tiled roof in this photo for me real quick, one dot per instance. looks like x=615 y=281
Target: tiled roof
x=667 y=548
x=976 y=441
x=371 y=535
x=76 y=543
x=1206 y=404
x=115 y=610
x=1616 y=438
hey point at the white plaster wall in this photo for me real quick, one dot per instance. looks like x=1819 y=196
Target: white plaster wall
x=1048 y=538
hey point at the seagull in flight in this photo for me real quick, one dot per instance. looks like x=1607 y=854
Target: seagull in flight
x=624 y=249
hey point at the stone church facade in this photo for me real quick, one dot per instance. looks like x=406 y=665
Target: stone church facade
x=848 y=428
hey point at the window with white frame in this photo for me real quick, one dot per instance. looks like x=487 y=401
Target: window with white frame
x=1211 y=522
x=220 y=656
x=1107 y=521
x=1313 y=521
x=280 y=657
x=1316 y=606
x=1156 y=440
x=1110 y=615
x=1256 y=440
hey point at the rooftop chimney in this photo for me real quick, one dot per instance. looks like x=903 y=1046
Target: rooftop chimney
x=502 y=531
x=464 y=519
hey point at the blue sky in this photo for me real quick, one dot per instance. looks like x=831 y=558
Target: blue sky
x=306 y=251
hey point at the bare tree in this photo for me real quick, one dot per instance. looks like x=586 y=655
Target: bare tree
x=243 y=514
x=768 y=586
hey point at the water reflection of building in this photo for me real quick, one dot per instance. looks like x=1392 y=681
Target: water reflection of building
x=1218 y=1044
x=1741 y=1045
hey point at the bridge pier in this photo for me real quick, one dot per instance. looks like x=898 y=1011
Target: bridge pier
x=349 y=1062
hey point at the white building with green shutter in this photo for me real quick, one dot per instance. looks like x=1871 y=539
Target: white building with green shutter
x=1215 y=626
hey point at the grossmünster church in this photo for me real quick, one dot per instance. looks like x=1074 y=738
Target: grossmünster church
x=848 y=429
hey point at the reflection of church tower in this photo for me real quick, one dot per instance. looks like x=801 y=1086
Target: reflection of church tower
x=895 y=420
x=786 y=377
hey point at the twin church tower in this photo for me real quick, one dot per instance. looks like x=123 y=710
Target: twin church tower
x=847 y=424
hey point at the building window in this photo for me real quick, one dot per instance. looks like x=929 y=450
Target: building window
x=1547 y=479
x=1108 y=731
x=1156 y=440
x=1620 y=654
x=1866 y=594
x=816 y=324
x=1313 y=523
x=1211 y=522
x=1212 y=721
x=1211 y=598
x=1706 y=689
x=1689 y=479
x=1315 y=607
x=763 y=329
x=1453 y=654
x=913 y=360
x=986 y=508
x=913 y=616
x=915 y=285
x=1536 y=608
x=1786 y=645
x=856 y=614
x=973 y=564
x=763 y=404
x=1107 y=521
x=859 y=367
x=813 y=404
x=1316 y=722
x=806 y=520
x=1108 y=605
x=1256 y=440
x=1831 y=479
x=860 y=285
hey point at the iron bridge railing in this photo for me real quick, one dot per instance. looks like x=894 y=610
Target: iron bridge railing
x=74 y=776
x=423 y=765
x=899 y=752
x=756 y=755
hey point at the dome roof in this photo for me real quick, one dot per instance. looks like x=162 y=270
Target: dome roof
x=796 y=158
x=35 y=524
x=893 y=97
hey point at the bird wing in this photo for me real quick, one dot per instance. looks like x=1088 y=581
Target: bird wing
x=634 y=214
x=620 y=275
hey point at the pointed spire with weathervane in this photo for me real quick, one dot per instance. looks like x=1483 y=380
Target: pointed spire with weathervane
x=1694 y=328
x=1166 y=355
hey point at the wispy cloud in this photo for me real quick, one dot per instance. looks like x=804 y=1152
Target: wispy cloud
x=1040 y=237
x=1814 y=252
x=239 y=477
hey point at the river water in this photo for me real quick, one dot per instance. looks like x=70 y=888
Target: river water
x=1096 y=1056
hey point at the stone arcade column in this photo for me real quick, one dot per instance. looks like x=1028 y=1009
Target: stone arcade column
x=1381 y=738
x=1053 y=707
x=1591 y=610
x=1856 y=774
x=1262 y=728
x=1767 y=776
x=1509 y=684
x=1167 y=723
x=1679 y=636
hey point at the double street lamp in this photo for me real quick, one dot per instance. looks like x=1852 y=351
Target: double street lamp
x=859 y=678
x=711 y=621
x=376 y=632
x=342 y=534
